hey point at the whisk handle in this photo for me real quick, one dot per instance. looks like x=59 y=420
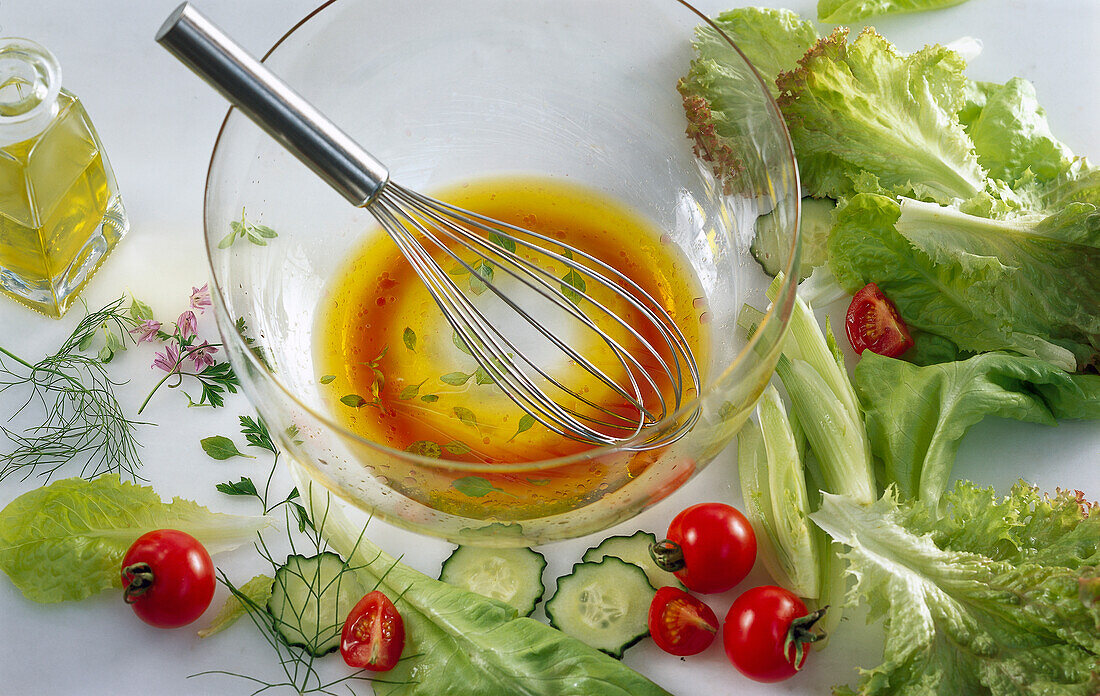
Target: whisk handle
x=286 y=116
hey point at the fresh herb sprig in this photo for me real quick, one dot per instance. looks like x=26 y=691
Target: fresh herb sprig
x=243 y=229
x=82 y=418
x=301 y=672
x=214 y=378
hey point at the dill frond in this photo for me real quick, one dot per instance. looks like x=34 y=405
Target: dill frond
x=82 y=420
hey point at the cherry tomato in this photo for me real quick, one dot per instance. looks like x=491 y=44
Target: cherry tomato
x=873 y=323
x=681 y=624
x=765 y=633
x=374 y=634
x=710 y=547
x=168 y=578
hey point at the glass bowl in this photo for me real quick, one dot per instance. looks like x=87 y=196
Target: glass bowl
x=444 y=91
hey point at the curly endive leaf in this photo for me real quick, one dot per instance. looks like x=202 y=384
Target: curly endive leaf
x=985 y=600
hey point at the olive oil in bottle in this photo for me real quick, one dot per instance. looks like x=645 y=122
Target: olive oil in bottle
x=60 y=213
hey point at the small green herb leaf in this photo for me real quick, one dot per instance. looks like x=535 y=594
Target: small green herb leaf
x=466 y=416
x=410 y=392
x=409 y=337
x=327 y=379
x=538 y=482
x=242 y=487
x=353 y=400
x=483 y=274
x=482 y=376
x=456 y=379
x=503 y=242
x=220 y=447
x=525 y=424
x=425 y=448
x=429 y=398
x=475 y=486
x=461 y=344
x=572 y=285
x=140 y=311
x=106 y=354
x=456 y=447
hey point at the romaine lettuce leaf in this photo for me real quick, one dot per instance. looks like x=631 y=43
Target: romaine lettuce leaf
x=842 y=11
x=986 y=600
x=863 y=106
x=917 y=416
x=459 y=643
x=66 y=541
x=985 y=285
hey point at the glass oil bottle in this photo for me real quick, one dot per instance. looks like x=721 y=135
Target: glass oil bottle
x=60 y=213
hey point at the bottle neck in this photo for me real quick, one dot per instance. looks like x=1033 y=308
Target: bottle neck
x=30 y=82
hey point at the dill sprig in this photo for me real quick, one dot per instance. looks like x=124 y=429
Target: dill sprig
x=301 y=670
x=82 y=418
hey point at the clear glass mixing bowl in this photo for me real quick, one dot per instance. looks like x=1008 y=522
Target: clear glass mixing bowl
x=444 y=91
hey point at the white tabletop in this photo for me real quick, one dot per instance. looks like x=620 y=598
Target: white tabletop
x=158 y=123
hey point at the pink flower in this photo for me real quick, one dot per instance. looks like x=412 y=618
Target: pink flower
x=200 y=297
x=169 y=360
x=203 y=355
x=148 y=330
x=187 y=324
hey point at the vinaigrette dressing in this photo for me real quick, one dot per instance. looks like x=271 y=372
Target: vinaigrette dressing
x=397 y=374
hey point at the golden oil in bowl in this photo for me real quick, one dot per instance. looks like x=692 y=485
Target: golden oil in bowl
x=396 y=373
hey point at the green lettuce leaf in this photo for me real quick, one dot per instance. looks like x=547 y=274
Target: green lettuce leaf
x=257 y=591
x=843 y=11
x=720 y=91
x=986 y=600
x=1012 y=136
x=459 y=643
x=772 y=39
x=864 y=107
x=985 y=285
x=917 y=416
x=66 y=541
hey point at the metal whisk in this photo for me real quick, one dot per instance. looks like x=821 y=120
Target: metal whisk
x=652 y=377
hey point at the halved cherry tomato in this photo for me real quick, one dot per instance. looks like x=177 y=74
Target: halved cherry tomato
x=873 y=323
x=710 y=547
x=765 y=633
x=374 y=634
x=681 y=624
x=168 y=578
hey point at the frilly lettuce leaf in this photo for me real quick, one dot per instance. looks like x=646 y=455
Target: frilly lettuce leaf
x=719 y=92
x=773 y=40
x=66 y=541
x=985 y=600
x=1011 y=135
x=842 y=11
x=917 y=416
x=985 y=285
x=863 y=106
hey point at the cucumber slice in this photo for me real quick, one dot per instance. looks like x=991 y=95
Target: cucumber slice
x=634 y=549
x=513 y=576
x=769 y=246
x=604 y=604
x=310 y=600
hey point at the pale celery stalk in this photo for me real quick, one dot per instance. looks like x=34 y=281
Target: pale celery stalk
x=835 y=433
x=795 y=538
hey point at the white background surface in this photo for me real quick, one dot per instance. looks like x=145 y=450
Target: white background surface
x=158 y=123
